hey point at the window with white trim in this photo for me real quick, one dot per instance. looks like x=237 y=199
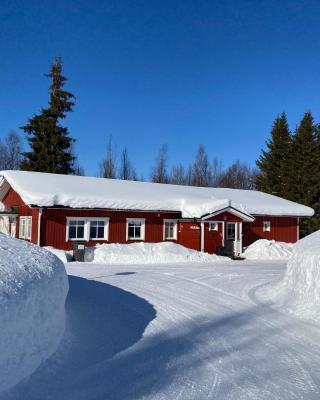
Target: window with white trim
x=266 y=226
x=135 y=229
x=25 y=228
x=97 y=229
x=76 y=229
x=87 y=228
x=169 y=229
x=213 y=226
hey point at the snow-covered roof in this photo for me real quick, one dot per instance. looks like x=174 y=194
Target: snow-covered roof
x=47 y=190
x=4 y=209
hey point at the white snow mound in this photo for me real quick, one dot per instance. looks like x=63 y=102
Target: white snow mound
x=33 y=289
x=299 y=291
x=61 y=254
x=264 y=249
x=148 y=253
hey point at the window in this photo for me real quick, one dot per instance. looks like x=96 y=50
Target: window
x=25 y=228
x=87 y=228
x=135 y=229
x=266 y=226
x=169 y=230
x=97 y=229
x=213 y=226
x=231 y=231
x=76 y=229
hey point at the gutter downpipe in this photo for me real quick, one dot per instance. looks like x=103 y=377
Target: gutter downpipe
x=39 y=226
x=202 y=236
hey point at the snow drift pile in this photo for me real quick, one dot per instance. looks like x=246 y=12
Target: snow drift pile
x=268 y=250
x=148 y=253
x=299 y=291
x=33 y=289
x=61 y=254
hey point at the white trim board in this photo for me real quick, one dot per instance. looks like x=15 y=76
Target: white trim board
x=233 y=211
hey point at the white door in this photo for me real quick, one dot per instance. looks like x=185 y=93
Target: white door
x=234 y=234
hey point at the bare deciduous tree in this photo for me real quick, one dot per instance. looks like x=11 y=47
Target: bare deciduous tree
x=108 y=167
x=10 y=152
x=126 y=171
x=178 y=175
x=201 y=168
x=79 y=170
x=238 y=176
x=159 y=172
x=216 y=172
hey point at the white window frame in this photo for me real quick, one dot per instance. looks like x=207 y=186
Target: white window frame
x=213 y=226
x=143 y=229
x=86 y=232
x=175 y=229
x=266 y=226
x=26 y=231
x=106 y=228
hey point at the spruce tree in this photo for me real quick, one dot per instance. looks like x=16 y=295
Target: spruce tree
x=50 y=143
x=316 y=202
x=274 y=163
x=305 y=182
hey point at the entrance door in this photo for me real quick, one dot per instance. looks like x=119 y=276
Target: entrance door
x=234 y=238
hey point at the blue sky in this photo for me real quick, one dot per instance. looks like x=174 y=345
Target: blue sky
x=152 y=72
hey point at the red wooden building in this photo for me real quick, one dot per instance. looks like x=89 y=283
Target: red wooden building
x=56 y=210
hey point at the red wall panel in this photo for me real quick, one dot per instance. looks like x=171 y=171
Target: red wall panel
x=283 y=229
x=12 y=199
x=54 y=225
x=212 y=239
x=189 y=235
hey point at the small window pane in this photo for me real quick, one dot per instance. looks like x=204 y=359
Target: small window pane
x=80 y=232
x=231 y=230
x=72 y=232
x=138 y=232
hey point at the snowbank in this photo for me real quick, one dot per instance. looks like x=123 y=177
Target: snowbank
x=299 y=291
x=268 y=250
x=33 y=289
x=61 y=254
x=148 y=253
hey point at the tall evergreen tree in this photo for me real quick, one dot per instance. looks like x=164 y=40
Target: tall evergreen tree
x=274 y=163
x=50 y=143
x=305 y=177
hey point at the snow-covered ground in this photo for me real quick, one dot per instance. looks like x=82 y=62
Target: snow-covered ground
x=194 y=331
x=263 y=249
x=299 y=291
x=148 y=253
x=33 y=289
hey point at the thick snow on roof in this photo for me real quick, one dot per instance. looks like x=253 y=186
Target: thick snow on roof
x=45 y=190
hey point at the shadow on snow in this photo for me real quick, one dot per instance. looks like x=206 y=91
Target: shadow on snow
x=97 y=360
